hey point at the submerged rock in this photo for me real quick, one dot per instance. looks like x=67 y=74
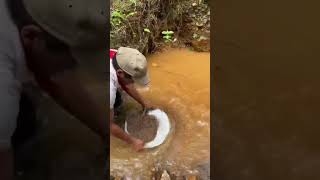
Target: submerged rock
x=154 y=65
x=204 y=171
x=192 y=177
x=205 y=20
x=199 y=24
x=165 y=176
x=202 y=44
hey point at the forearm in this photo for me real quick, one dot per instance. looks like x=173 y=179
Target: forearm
x=117 y=131
x=67 y=91
x=132 y=91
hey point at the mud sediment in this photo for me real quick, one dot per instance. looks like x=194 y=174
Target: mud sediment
x=142 y=127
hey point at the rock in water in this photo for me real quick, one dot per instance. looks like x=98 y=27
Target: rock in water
x=165 y=176
x=142 y=127
x=154 y=65
x=192 y=178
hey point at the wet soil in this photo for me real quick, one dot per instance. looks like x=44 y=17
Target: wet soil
x=142 y=127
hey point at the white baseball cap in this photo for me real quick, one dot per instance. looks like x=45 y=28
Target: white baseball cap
x=134 y=63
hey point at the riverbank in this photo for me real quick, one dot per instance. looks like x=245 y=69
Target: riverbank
x=157 y=24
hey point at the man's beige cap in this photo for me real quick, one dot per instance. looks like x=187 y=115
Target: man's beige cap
x=134 y=63
x=81 y=24
x=76 y=22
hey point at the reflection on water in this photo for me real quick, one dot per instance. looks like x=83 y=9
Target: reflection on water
x=180 y=85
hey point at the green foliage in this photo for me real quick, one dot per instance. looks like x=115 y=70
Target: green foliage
x=133 y=2
x=139 y=24
x=117 y=17
x=131 y=14
x=167 y=35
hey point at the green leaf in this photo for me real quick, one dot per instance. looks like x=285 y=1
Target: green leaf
x=170 y=32
x=146 y=30
x=167 y=32
x=117 y=14
x=131 y=14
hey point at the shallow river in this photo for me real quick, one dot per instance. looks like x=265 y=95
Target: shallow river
x=180 y=85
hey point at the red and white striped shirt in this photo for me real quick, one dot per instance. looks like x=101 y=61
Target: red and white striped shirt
x=114 y=85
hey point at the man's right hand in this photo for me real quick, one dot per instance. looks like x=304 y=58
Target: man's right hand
x=137 y=144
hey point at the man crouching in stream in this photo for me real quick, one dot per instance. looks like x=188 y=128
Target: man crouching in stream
x=128 y=66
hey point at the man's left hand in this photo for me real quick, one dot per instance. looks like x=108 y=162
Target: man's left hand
x=149 y=106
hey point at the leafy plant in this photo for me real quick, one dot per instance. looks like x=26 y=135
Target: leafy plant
x=117 y=17
x=167 y=35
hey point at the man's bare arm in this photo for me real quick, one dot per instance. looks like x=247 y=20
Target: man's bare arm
x=132 y=91
x=69 y=92
x=117 y=131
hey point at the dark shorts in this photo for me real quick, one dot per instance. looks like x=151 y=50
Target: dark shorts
x=118 y=100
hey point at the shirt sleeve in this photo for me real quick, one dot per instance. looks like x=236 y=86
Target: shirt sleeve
x=113 y=92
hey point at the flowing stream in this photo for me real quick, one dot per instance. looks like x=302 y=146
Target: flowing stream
x=180 y=85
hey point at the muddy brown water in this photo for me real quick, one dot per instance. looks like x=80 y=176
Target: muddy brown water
x=180 y=85
x=267 y=90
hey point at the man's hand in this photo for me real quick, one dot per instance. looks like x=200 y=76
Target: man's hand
x=132 y=91
x=54 y=68
x=137 y=144
x=149 y=106
x=68 y=91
